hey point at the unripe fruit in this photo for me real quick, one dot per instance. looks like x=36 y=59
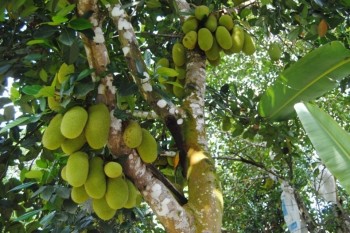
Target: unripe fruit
x=237 y=39
x=181 y=71
x=211 y=23
x=117 y=193
x=163 y=62
x=226 y=123
x=274 y=51
x=131 y=202
x=200 y=12
x=179 y=54
x=214 y=52
x=97 y=126
x=34 y=174
x=223 y=37
x=95 y=184
x=73 y=122
x=77 y=169
x=132 y=135
x=63 y=173
x=215 y=62
x=64 y=71
x=226 y=21
x=113 y=169
x=52 y=137
x=148 y=150
x=249 y=45
x=205 y=39
x=190 y=40
x=191 y=24
x=54 y=104
x=79 y=195
x=102 y=209
x=72 y=145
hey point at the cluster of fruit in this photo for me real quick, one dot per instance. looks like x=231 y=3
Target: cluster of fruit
x=105 y=184
x=76 y=127
x=212 y=32
x=142 y=140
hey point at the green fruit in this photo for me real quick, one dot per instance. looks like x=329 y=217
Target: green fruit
x=64 y=71
x=97 y=126
x=237 y=39
x=79 y=195
x=200 y=12
x=77 y=169
x=205 y=39
x=214 y=52
x=191 y=24
x=54 y=104
x=211 y=23
x=72 y=145
x=73 y=122
x=179 y=54
x=226 y=123
x=148 y=150
x=249 y=45
x=274 y=51
x=226 y=21
x=181 y=71
x=223 y=37
x=163 y=62
x=102 y=210
x=131 y=202
x=215 y=62
x=132 y=135
x=113 y=169
x=34 y=174
x=189 y=40
x=52 y=137
x=117 y=193
x=63 y=173
x=95 y=184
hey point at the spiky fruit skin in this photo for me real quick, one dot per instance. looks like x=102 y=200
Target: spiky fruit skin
x=214 y=52
x=237 y=39
x=131 y=202
x=52 y=137
x=274 y=51
x=117 y=193
x=179 y=54
x=95 y=184
x=249 y=45
x=226 y=21
x=190 y=40
x=205 y=39
x=113 y=169
x=148 y=150
x=102 y=209
x=191 y=24
x=97 y=126
x=79 y=195
x=72 y=145
x=73 y=122
x=223 y=37
x=77 y=169
x=211 y=23
x=132 y=135
x=200 y=12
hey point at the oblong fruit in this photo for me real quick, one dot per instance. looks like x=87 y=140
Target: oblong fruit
x=132 y=135
x=237 y=39
x=102 y=210
x=63 y=173
x=226 y=21
x=200 y=12
x=97 y=126
x=214 y=52
x=179 y=54
x=52 y=137
x=274 y=51
x=95 y=184
x=191 y=24
x=113 y=169
x=117 y=193
x=190 y=40
x=79 y=195
x=72 y=145
x=211 y=23
x=73 y=122
x=223 y=37
x=205 y=39
x=131 y=202
x=148 y=149
x=226 y=123
x=77 y=168
x=249 y=45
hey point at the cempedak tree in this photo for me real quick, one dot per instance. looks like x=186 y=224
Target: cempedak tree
x=112 y=103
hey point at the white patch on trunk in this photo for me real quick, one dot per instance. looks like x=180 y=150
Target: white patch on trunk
x=117 y=12
x=98 y=38
x=126 y=50
x=94 y=22
x=147 y=87
x=123 y=24
x=180 y=121
x=156 y=191
x=116 y=123
x=161 y=103
x=101 y=89
x=128 y=36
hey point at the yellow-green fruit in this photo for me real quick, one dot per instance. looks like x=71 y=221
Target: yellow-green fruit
x=77 y=169
x=63 y=173
x=200 y=12
x=274 y=51
x=226 y=123
x=72 y=145
x=34 y=174
x=215 y=62
x=191 y=24
x=249 y=45
x=237 y=39
x=73 y=122
x=211 y=23
x=214 y=52
x=163 y=62
x=79 y=195
x=132 y=135
x=97 y=126
x=64 y=71
x=117 y=193
x=226 y=21
x=131 y=202
x=148 y=150
x=223 y=37
x=189 y=40
x=52 y=137
x=205 y=39
x=102 y=209
x=181 y=71
x=113 y=169
x=95 y=184
x=179 y=54
x=54 y=104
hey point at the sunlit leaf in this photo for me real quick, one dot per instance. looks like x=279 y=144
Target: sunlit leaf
x=80 y=24
x=22 y=186
x=27 y=215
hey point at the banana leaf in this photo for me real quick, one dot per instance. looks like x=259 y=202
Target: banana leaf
x=332 y=143
x=310 y=77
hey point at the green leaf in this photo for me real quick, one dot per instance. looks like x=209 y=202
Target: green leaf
x=85 y=73
x=310 y=77
x=19 y=121
x=32 y=89
x=169 y=72
x=67 y=36
x=22 y=186
x=57 y=20
x=331 y=142
x=71 y=53
x=80 y=24
x=38 y=41
x=27 y=215
x=65 y=11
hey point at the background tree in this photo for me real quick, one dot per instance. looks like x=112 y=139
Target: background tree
x=114 y=48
